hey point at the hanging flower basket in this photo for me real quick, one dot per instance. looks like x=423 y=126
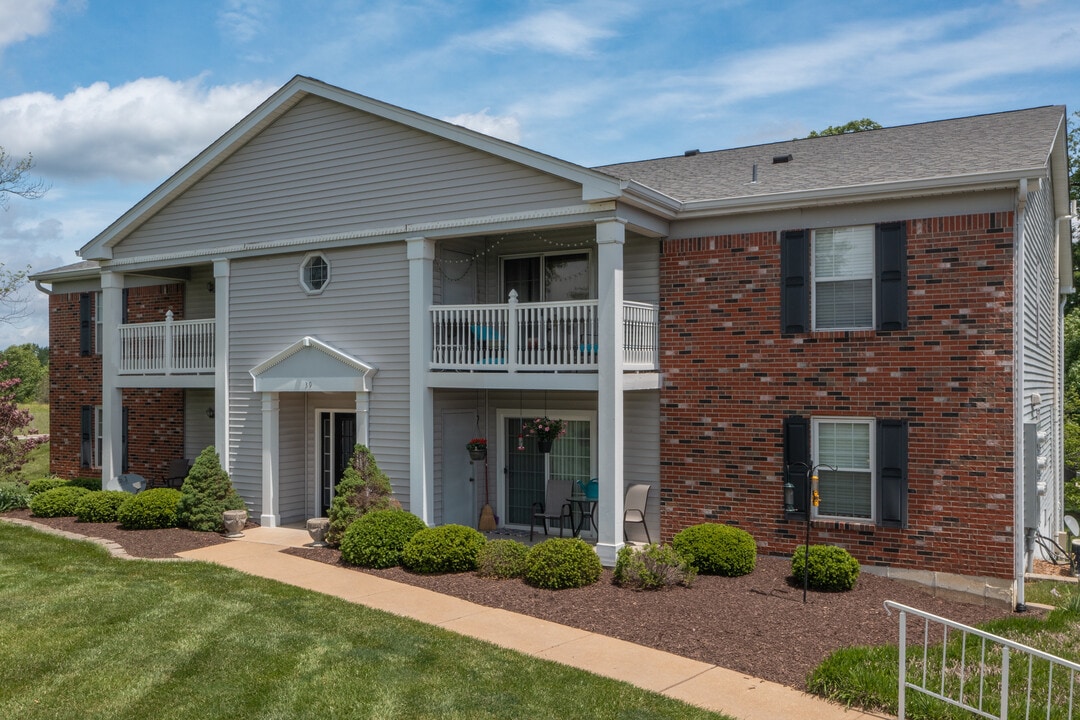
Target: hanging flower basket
x=477 y=448
x=545 y=430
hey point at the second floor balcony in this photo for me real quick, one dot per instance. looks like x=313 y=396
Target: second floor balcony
x=172 y=347
x=537 y=337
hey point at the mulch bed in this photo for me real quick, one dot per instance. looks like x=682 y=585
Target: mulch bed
x=756 y=624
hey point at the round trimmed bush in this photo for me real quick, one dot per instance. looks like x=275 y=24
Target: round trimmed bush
x=652 y=567
x=150 y=509
x=100 y=506
x=443 y=549
x=502 y=559
x=377 y=538
x=13 y=496
x=559 y=563
x=716 y=549
x=41 y=485
x=58 y=502
x=831 y=568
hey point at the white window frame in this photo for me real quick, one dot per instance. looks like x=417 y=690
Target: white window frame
x=543 y=256
x=508 y=444
x=95 y=447
x=305 y=278
x=815 y=425
x=815 y=279
x=98 y=324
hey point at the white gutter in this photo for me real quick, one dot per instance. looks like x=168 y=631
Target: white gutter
x=1019 y=531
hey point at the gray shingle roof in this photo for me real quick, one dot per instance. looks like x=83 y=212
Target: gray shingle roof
x=1001 y=142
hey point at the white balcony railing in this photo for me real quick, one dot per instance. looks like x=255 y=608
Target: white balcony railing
x=536 y=337
x=173 y=347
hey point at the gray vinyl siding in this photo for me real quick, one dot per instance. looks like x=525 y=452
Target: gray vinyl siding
x=292 y=473
x=641 y=270
x=198 y=298
x=363 y=312
x=198 y=428
x=1040 y=338
x=325 y=168
x=641 y=450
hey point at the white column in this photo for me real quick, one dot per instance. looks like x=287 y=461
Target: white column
x=112 y=397
x=270 y=408
x=610 y=238
x=421 y=255
x=221 y=361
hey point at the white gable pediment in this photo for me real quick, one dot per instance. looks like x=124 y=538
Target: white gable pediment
x=310 y=365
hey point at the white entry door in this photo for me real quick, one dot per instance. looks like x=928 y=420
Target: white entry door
x=460 y=476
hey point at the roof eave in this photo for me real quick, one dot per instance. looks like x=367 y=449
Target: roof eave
x=859 y=193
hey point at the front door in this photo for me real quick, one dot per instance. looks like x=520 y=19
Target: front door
x=460 y=476
x=337 y=436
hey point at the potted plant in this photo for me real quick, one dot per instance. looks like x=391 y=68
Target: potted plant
x=477 y=448
x=545 y=430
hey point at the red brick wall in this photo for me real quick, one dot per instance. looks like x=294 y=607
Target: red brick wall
x=156 y=416
x=730 y=379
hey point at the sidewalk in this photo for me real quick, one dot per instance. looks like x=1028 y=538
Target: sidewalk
x=695 y=682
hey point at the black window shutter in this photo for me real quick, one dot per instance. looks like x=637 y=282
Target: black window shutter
x=124 y=445
x=892 y=472
x=124 y=306
x=891 y=260
x=86 y=452
x=795 y=281
x=86 y=325
x=797 y=460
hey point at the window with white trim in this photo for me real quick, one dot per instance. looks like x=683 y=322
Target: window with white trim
x=314 y=273
x=846 y=444
x=98 y=325
x=548 y=277
x=95 y=457
x=843 y=273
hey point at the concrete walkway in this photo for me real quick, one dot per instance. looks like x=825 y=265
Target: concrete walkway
x=698 y=683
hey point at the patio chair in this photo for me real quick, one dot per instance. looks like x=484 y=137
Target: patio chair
x=177 y=472
x=637 y=497
x=556 y=506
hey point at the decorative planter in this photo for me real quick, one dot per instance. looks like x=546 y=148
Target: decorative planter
x=234 y=522
x=317 y=529
x=478 y=454
x=544 y=444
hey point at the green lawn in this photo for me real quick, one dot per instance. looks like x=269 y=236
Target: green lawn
x=86 y=635
x=40 y=412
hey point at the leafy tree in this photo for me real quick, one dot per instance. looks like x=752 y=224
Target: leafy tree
x=852 y=127
x=207 y=492
x=15 y=179
x=17 y=438
x=363 y=487
x=13 y=304
x=23 y=362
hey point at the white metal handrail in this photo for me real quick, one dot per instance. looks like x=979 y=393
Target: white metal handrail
x=536 y=337
x=950 y=679
x=172 y=347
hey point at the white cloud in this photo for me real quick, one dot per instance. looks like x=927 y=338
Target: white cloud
x=242 y=20
x=551 y=31
x=20 y=20
x=504 y=127
x=140 y=131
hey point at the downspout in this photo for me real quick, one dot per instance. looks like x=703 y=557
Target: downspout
x=1059 y=377
x=41 y=288
x=1020 y=539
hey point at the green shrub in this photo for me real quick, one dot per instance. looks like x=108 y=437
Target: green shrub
x=150 y=509
x=559 y=563
x=58 y=502
x=377 y=538
x=363 y=488
x=40 y=485
x=502 y=559
x=443 y=549
x=100 y=506
x=715 y=549
x=14 y=496
x=831 y=568
x=207 y=492
x=91 y=484
x=651 y=568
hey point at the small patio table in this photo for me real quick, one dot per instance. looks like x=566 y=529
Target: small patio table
x=584 y=508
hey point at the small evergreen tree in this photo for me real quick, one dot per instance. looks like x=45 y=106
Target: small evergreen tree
x=207 y=493
x=363 y=487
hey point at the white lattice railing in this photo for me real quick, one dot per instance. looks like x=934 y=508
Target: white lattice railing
x=536 y=337
x=173 y=347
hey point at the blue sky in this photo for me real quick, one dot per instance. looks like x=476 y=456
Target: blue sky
x=111 y=97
